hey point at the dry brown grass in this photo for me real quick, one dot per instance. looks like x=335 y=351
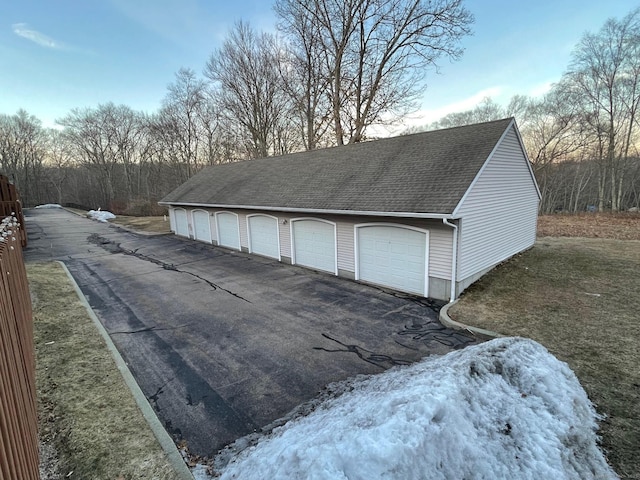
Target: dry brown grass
x=157 y=224
x=620 y=226
x=144 y=224
x=579 y=298
x=87 y=413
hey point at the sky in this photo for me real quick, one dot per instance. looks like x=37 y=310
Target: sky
x=506 y=408
x=65 y=54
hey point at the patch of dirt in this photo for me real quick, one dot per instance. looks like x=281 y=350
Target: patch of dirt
x=49 y=463
x=618 y=226
x=157 y=224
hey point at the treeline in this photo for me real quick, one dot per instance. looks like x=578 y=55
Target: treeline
x=583 y=136
x=334 y=70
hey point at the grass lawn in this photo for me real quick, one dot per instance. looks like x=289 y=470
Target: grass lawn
x=90 y=426
x=156 y=224
x=580 y=298
x=145 y=224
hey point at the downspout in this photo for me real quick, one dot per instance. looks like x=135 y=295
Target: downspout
x=454 y=258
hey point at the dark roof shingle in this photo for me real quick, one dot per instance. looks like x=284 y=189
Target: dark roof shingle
x=425 y=172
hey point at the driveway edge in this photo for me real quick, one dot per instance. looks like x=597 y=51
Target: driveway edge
x=165 y=441
x=446 y=320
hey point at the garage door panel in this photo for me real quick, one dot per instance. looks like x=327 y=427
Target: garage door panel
x=182 y=224
x=201 y=226
x=393 y=256
x=314 y=244
x=228 y=235
x=397 y=249
x=263 y=236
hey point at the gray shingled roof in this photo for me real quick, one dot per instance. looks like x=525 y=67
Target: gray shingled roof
x=421 y=173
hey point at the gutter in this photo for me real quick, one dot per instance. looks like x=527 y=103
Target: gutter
x=454 y=259
x=312 y=210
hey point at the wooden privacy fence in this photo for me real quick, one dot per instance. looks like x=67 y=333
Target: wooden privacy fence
x=10 y=205
x=18 y=414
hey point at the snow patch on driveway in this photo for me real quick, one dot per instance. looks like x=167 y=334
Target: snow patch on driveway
x=100 y=215
x=49 y=205
x=503 y=409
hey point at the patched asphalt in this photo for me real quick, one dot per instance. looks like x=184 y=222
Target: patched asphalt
x=223 y=343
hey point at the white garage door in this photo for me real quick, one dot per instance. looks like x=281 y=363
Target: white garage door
x=263 y=236
x=182 y=225
x=394 y=257
x=201 y=226
x=228 y=235
x=314 y=244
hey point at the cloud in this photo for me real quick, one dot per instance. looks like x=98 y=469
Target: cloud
x=424 y=117
x=540 y=89
x=23 y=30
x=431 y=115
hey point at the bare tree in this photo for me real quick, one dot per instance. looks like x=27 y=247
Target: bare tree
x=551 y=127
x=210 y=121
x=247 y=72
x=375 y=52
x=105 y=141
x=486 y=111
x=59 y=162
x=22 y=152
x=304 y=75
x=605 y=74
x=179 y=120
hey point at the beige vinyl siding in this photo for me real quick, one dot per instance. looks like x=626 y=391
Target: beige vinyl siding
x=189 y=221
x=214 y=226
x=440 y=245
x=172 y=220
x=285 y=235
x=346 y=246
x=244 y=233
x=499 y=213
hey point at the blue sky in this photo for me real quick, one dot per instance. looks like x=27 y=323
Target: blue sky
x=62 y=54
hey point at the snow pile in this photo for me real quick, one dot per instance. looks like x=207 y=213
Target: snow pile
x=503 y=409
x=8 y=226
x=49 y=205
x=100 y=215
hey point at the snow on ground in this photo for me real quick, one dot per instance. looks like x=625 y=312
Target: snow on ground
x=503 y=409
x=49 y=205
x=100 y=215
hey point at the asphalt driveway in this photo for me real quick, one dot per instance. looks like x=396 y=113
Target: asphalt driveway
x=223 y=343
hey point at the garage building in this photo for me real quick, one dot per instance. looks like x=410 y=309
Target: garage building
x=415 y=213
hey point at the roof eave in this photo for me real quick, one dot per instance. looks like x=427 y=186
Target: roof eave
x=313 y=210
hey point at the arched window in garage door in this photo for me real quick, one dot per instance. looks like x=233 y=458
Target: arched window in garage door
x=393 y=255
